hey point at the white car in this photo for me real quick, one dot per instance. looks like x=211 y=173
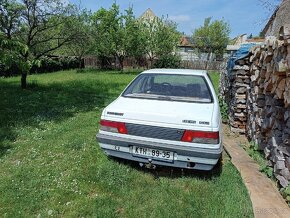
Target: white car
x=165 y=117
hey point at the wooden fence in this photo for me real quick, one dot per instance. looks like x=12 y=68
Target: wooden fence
x=93 y=62
x=204 y=65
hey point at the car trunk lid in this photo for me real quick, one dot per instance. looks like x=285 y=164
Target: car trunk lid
x=161 y=111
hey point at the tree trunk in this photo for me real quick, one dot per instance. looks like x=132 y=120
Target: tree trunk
x=207 y=59
x=81 y=65
x=23 y=80
x=121 y=61
x=150 y=62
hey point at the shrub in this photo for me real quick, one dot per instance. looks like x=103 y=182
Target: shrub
x=52 y=64
x=47 y=64
x=168 y=61
x=224 y=109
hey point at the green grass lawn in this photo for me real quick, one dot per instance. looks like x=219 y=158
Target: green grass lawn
x=51 y=164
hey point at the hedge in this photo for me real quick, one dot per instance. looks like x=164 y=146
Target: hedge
x=47 y=64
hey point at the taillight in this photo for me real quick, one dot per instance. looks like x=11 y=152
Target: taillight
x=200 y=137
x=112 y=126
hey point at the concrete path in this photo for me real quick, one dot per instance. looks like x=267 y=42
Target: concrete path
x=266 y=200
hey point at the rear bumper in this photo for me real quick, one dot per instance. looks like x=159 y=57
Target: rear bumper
x=184 y=156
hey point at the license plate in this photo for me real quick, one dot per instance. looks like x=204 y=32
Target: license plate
x=153 y=153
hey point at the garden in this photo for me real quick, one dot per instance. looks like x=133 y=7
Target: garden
x=51 y=163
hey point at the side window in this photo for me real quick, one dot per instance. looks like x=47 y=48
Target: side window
x=138 y=88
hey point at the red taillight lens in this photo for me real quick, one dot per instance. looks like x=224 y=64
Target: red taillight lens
x=112 y=126
x=200 y=137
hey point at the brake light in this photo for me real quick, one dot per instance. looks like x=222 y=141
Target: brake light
x=200 y=137
x=112 y=126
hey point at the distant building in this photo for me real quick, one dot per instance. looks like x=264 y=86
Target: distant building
x=185 y=49
x=241 y=40
x=148 y=15
x=280 y=17
x=186 y=44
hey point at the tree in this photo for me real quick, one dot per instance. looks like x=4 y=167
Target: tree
x=111 y=33
x=161 y=37
x=83 y=41
x=10 y=53
x=134 y=39
x=10 y=13
x=122 y=35
x=42 y=25
x=212 y=37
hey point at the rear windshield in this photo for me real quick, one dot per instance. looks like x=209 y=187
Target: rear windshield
x=172 y=87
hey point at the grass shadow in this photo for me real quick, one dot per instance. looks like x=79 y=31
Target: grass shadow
x=41 y=103
x=96 y=71
x=173 y=173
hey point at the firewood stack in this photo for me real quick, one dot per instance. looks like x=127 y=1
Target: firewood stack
x=239 y=80
x=259 y=103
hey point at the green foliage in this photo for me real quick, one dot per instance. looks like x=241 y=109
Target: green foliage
x=11 y=58
x=168 y=61
x=267 y=170
x=254 y=152
x=111 y=33
x=55 y=28
x=286 y=194
x=223 y=109
x=83 y=41
x=52 y=64
x=42 y=26
x=121 y=35
x=10 y=14
x=212 y=37
x=161 y=37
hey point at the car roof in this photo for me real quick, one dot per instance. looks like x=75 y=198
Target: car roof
x=177 y=71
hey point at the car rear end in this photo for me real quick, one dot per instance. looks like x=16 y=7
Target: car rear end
x=166 y=130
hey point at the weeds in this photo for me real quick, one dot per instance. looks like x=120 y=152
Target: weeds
x=223 y=109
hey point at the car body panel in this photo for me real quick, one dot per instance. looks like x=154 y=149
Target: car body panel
x=169 y=112
x=174 y=115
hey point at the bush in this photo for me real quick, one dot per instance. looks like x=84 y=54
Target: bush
x=47 y=64
x=224 y=109
x=52 y=64
x=168 y=61
x=12 y=71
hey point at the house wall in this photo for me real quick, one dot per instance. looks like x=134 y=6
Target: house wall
x=282 y=17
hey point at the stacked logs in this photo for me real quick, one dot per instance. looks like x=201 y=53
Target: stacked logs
x=259 y=102
x=239 y=80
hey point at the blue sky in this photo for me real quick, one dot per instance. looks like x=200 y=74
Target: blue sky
x=246 y=16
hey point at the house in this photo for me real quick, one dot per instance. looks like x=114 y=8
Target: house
x=185 y=49
x=186 y=44
x=148 y=15
x=280 y=17
x=243 y=39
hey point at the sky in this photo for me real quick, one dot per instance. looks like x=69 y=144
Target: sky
x=246 y=16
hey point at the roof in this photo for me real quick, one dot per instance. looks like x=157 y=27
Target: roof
x=279 y=18
x=270 y=22
x=176 y=71
x=242 y=40
x=186 y=41
x=256 y=40
x=148 y=15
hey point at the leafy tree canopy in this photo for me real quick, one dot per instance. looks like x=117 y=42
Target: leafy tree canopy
x=212 y=37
